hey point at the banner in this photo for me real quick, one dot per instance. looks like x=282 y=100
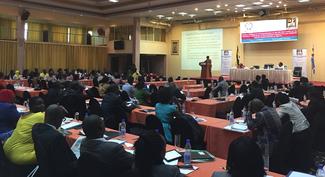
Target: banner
x=226 y=58
x=300 y=60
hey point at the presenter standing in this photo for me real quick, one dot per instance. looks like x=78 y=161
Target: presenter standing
x=206 y=68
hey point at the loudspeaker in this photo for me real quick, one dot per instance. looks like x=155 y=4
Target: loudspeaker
x=24 y=15
x=262 y=13
x=45 y=36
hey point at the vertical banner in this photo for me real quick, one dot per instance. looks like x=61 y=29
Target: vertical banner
x=299 y=57
x=226 y=58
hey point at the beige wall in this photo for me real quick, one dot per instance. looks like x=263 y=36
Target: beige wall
x=311 y=32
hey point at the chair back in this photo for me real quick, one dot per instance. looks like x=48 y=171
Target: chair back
x=238 y=107
x=90 y=165
x=232 y=89
x=243 y=89
x=269 y=100
x=94 y=107
x=26 y=96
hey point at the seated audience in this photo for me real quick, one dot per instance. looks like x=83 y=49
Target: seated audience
x=316 y=104
x=150 y=151
x=299 y=121
x=164 y=109
x=256 y=91
x=140 y=93
x=128 y=87
x=244 y=160
x=297 y=91
x=222 y=87
x=266 y=126
x=153 y=95
x=280 y=66
x=116 y=160
x=103 y=85
x=19 y=148
x=73 y=100
x=258 y=79
x=9 y=114
x=113 y=109
x=53 y=153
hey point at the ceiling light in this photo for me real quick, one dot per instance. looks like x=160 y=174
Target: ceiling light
x=247 y=8
x=113 y=0
x=228 y=9
x=244 y=10
x=265 y=5
x=196 y=9
x=257 y=3
x=277 y=6
x=218 y=6
x=192 y=15
x=182 y=13
x=303 y=1
x=280 y=2
x=169 y=18
x=217 y=12
x=209 y=10
x=262 y=0
x=226 y=5
x=270 y=3
x=173 y=12
x=285 y=5
x=240 y=5
x=236 y=11
x=160 y=16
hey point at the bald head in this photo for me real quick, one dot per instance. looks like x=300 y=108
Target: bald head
x=93 y=126
x=54 y=115
x=255 y=105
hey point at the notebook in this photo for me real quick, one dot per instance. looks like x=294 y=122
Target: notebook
x=200 y=156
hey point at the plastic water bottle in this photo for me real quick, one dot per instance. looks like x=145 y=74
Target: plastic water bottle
x=187 y=153
x=320 y=171
x=122 y=128
x=188 y=93
x=76 y=116
x=231 y=118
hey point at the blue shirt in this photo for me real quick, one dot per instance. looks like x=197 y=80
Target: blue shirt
x=129 y=89
x=163 y=112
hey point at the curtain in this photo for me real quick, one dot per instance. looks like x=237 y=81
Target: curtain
x=60 y=34
x=34 y=32
x=49 y=55
x=7 y=29
x=76 y=36
x=8 y=56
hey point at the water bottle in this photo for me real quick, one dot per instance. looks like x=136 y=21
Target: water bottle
x=188 y=93
x=231 y=118
x=187 y=153
x=26 y=105
x=122 y=128
x=320 y=171
x=76 y=116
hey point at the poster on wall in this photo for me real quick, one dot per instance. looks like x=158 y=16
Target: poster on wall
x=175 y=47
x=300 y=60
x=226 y=58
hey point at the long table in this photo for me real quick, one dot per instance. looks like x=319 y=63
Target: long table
x=13 y=82
x=274 y=76
x=179 y=83
x=216 y=137
x=20 y=90
x=194 y=92
x=205 y=169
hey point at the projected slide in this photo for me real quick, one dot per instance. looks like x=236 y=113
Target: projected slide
x=269 y=30
x=196 y=45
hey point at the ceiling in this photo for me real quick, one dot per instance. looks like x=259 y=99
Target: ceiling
x=165 y=10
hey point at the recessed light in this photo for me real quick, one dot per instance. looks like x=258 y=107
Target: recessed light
x=244 y=10
x=169 y=18
x=160 y=16
x=240 y=5
x=182 y=13
x=262 y=0
x=217 y=12
x=209 y=10
x=285 y=5
x=280 y=2
x=228 y=9
x=277 y=6
x=257 y=3
x=270 y=3
x=247 y=8
x=226 y=5
x=173 y=12
x=196 y=9
x=192 y=15
x=303 y=1
x=236 y=11
x=113 y=0
x=218 y=6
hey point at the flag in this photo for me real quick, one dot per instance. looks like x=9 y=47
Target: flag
x=237 y=56
x=313 y=66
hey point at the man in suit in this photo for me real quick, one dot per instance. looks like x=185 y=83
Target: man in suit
x=53 y=153
x=112 y=156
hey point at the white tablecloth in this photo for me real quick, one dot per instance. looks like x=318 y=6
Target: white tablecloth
x=276 y=76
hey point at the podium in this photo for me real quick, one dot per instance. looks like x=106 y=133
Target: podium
x=206 y=69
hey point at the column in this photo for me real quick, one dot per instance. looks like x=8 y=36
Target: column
x=136 y=42
x=20 y=43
